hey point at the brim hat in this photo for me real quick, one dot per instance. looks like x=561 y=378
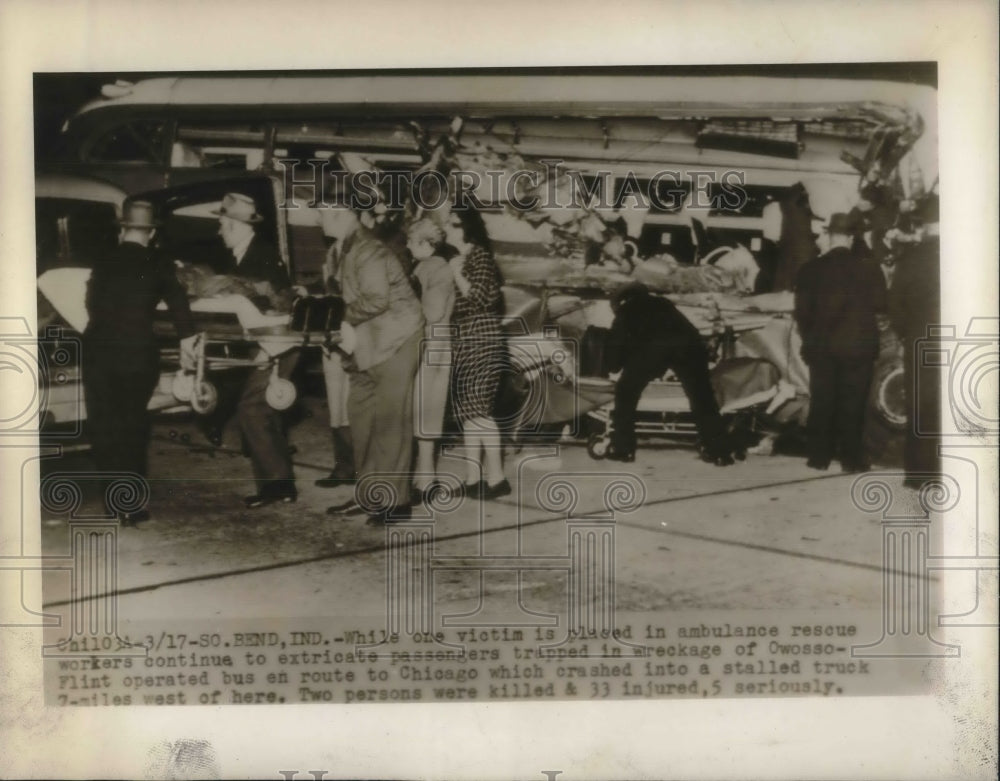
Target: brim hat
x=139 y=214
x=239 y=207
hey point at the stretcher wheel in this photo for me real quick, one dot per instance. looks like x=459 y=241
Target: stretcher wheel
x=205 y=398
x=597 y=446
x=280 y=394
x=182 y=386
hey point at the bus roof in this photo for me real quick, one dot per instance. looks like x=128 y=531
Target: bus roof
x=580 y=95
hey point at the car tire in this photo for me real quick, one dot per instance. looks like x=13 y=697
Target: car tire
x=886 y=417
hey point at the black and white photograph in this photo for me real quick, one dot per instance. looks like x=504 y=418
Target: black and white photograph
x=418 y=391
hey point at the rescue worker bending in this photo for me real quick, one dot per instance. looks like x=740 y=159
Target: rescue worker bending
x=649 y=336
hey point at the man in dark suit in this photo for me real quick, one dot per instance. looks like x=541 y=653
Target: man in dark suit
x=914 y=306
x=120 y=359
x=260 y=424
x=837 y=296
x=648 y=336
x=253 y=257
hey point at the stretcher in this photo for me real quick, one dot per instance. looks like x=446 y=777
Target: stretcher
x=558 y=383
x=233 y=333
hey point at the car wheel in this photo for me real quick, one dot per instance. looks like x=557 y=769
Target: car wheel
x=887 y=417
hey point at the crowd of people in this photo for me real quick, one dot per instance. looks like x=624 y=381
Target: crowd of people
x=423 y=306
x=864 y=267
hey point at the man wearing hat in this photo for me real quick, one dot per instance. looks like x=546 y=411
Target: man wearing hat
x=254 y=257
x=251 y=257
x=120 y=359
x=837 y=296
x=388 y=322
x=261 y=425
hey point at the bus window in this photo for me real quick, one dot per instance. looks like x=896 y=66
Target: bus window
x=139 y=141
x=746 y=200
x=227 y=146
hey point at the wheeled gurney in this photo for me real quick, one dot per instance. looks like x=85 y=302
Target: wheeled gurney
x=234 y=334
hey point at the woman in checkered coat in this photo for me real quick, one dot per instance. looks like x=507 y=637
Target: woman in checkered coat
x=479 y=354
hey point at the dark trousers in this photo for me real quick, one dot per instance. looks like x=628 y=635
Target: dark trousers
x=117 y=391
x=838 y=396
x=923 y=404
x=263 y=430
x=691 y=368
x=380 y=408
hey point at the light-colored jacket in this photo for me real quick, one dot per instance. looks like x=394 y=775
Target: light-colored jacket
x=380 y=302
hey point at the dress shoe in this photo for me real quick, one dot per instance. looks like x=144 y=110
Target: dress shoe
x=615 y=454
x=473 y=490
x=396 y=514
x=388 y=517
x=214 y=435
x=348 y=509
x=483 y=490
x=818 y=463
x=264 y=499
x=335 y=479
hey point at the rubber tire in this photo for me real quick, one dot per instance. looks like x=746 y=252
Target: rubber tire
x=205 y=398
x=597 y=446
x=884 y=434
x=280 y=394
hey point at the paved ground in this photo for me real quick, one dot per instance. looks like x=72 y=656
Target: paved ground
x=764 y=533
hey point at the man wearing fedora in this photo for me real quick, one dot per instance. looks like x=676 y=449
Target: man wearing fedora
x=837 y=296
x=253 y=257
x=261 y=426
x=120 y=359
